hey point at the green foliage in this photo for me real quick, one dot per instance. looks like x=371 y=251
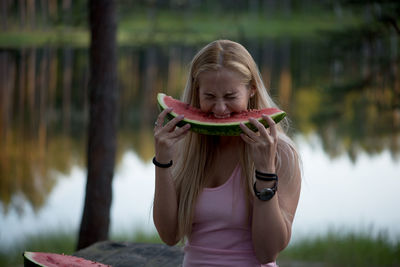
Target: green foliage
x=142 y=26
x=62 y=241
x=332 y=249
x=346 y=249
x=174 y=26
x=77 y=37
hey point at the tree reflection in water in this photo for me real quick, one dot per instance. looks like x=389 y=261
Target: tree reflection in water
x=346 y=94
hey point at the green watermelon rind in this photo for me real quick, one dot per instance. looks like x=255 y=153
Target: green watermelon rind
x=29 y=261
x=222 y=129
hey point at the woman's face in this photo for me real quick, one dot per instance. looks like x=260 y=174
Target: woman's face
x=222 y=93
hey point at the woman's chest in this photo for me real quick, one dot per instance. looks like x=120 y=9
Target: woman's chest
x=223 y=206
x=221 y=170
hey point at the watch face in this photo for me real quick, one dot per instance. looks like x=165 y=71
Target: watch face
x=266 y=194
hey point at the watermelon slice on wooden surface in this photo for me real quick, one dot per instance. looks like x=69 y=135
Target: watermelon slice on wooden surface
x=57 y=260
x=206 y=123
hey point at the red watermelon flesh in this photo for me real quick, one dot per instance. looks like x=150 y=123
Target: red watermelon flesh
x=57 y=260
x=196 y=114
x=206 y=123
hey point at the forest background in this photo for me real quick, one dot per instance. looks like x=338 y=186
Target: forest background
x=351 y=101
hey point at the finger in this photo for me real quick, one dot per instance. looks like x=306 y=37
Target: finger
x=261 y=128
x=249 y=132
x=182 y=131
x=247 y=139
x=272 y=125
x=161 y=117
x=170 y=126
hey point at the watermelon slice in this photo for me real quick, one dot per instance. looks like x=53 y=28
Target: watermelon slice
x=56 y=260
x=205 y=123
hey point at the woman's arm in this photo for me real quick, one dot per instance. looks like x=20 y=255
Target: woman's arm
x=165 y=206
x=272 y=220
x=165 y=209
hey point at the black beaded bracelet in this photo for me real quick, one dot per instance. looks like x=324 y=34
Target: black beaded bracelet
x=162 y=165
x=266 y=176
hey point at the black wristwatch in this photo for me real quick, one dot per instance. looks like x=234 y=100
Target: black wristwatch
x=266 y=193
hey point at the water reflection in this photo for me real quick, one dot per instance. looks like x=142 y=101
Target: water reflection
x=42 y=121
x=341 y=195
x=352 y=105
x=335 y=193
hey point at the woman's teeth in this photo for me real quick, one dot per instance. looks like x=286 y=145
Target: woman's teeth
x=222 y=116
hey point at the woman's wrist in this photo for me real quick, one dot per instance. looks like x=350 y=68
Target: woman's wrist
x=266 y=167
x=264 y=184
x=268 y=170
x=266 y=176
x=265 y=179
x=162 y=164
x=163 y=157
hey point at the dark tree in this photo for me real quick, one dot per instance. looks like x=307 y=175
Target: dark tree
x=102 y=123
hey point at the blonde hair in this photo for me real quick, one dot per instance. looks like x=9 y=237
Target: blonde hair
x=196 y=151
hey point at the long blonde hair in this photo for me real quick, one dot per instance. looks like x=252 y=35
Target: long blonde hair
x=195 y=151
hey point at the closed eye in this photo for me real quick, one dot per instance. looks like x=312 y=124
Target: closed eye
x=230 y=96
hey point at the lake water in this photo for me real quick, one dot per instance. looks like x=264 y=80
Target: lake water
x=343 y=103
x=336 y=194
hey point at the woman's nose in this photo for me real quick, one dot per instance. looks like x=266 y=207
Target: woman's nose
x=219 y=107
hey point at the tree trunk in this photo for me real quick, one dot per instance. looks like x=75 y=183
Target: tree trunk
x=4 y=9
x=102 y=123
x=31 y=12
x=22 y=13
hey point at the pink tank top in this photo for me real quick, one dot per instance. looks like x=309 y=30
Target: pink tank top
x=221 y=231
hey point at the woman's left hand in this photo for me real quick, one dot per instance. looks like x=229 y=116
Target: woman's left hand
x=263 y=144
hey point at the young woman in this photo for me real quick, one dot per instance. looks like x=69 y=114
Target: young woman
x=233 y=199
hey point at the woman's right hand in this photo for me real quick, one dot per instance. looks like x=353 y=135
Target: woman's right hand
x=166 y=136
